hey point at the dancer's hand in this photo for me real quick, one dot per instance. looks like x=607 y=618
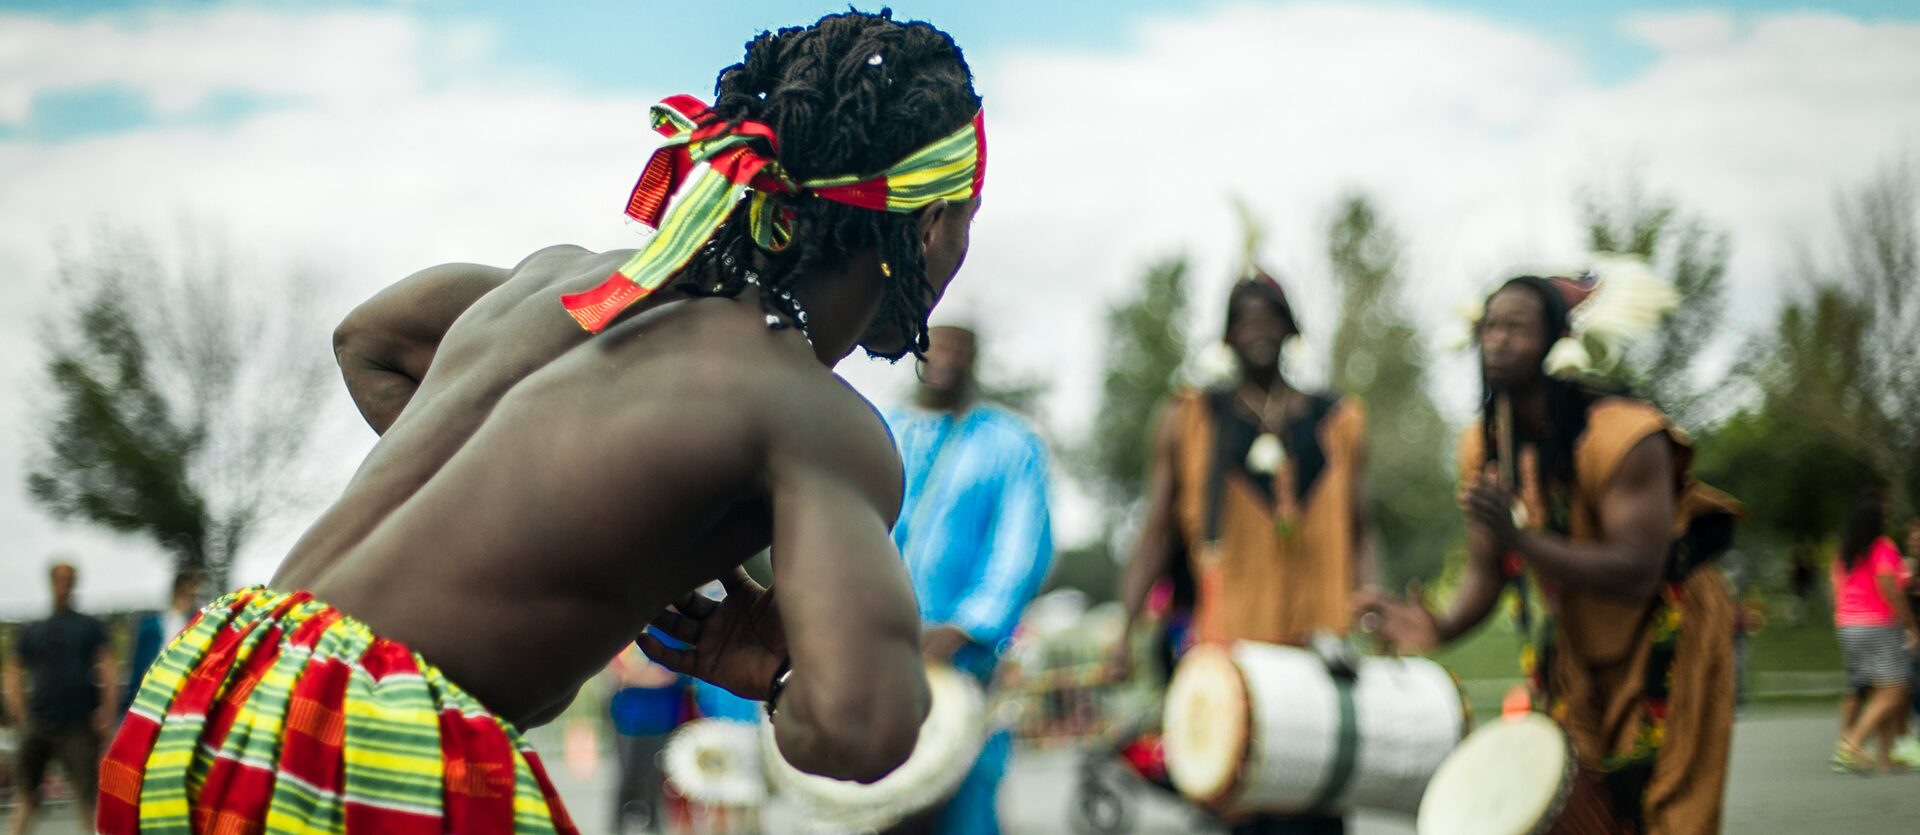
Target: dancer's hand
x=1405 y=626
x=736 y=643
x=1489 y=509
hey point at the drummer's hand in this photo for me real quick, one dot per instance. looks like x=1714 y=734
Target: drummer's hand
x=1404 y=626
x=736 y=643
x=939 y=643
x=1489 y=509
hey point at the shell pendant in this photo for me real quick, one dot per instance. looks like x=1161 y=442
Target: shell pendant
x=1266 y=454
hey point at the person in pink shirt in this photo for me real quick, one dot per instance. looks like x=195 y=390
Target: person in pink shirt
x=1876 y=631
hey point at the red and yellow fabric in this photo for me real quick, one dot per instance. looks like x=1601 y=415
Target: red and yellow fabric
x=275 y=713
x=708 y=164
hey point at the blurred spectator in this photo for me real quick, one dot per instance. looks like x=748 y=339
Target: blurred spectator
x=976 y=535
x=61 y=682
x=1876 y=631
x=1907 y=749
x=1800 y=579
x=158 y=629
x=646 y=704
x=1733 y=565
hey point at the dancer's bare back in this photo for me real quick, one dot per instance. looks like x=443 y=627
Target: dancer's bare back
x=546 y=493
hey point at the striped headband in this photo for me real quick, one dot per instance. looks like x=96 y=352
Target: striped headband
x=708 y=164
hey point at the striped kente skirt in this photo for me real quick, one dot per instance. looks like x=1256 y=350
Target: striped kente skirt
x=274 y=713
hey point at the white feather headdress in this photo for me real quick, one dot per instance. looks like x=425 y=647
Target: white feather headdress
x=1612 y=304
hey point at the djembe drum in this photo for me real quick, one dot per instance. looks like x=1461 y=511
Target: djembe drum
x=712 y=767
x=1517 y=776
x=950 y=739
x=1276 y=729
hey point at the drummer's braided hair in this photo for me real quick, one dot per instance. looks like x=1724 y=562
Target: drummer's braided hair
x=837 y=112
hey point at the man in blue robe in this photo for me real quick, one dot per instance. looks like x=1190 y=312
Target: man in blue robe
x=975 y=533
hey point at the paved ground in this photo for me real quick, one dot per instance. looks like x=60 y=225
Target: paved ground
x=1780 y=784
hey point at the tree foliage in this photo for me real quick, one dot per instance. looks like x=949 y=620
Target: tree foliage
x=1693 y=255
x=1145 y=345
x=179 y=399
x=1378 y=356
x=1841 y=359
x=1795 y=482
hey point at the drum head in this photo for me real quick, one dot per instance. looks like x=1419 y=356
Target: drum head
x=714 y=761
x=1206 y=724
x=950 y=740
x=1507 y=778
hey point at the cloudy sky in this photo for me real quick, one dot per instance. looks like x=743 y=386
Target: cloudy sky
x=367 y=140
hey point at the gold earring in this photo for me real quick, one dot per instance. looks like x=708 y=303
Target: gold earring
x=886 y=269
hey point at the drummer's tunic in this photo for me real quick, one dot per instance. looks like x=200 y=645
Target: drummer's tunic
x=1597 y=673
x=1263 y=574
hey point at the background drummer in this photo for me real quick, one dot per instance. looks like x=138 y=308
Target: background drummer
x=1633 y=651
x=1261 y=485
x=977 y=538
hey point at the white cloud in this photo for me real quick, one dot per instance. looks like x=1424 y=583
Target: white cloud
x=1690 y=31
x=1473 y=134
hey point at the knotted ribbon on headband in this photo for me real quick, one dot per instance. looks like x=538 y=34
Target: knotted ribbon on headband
x=708 y=164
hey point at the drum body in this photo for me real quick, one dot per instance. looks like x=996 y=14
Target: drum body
x=714 y=779
x=1265 y=728
x=1516 y=776
x=950 y=740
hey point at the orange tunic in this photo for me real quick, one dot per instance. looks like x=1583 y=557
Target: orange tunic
x=1256 y=583
x=1602 y=644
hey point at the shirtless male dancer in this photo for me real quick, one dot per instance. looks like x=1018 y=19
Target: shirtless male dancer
x=584 y=453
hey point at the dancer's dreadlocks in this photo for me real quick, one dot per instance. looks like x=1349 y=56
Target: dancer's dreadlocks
x=838 y=111
x=1568 y=401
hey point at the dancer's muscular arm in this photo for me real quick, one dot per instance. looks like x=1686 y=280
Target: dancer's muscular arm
x=858 y=691
x=385 y=345
x=1411 y=625
x=1636 y=528
x=845 y=617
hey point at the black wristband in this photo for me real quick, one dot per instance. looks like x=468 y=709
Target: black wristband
x=778 y=685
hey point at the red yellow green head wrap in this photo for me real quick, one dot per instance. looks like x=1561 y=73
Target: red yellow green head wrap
x=708 y=164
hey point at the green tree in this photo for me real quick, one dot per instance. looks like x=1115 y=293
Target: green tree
x=179 y=400
x=1088 y=567
x=1842 y=358
x=1795 y=482
x=1145 y=346
x=1693 y=255
x=1378 y=356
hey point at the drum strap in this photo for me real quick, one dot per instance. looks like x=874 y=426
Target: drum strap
x=1345 y=750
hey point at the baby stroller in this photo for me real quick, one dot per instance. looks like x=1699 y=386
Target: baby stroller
x=1129 y=758
x=1112 y=772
